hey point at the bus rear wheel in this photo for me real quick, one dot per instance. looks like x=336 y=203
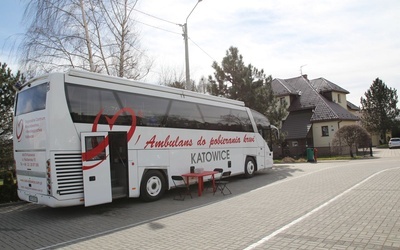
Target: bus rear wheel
x=249 y=167
x=153 y=186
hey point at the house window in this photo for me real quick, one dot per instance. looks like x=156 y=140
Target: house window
x=339 y=99
x=295 y=144
x=282 y=101
x=325 y=131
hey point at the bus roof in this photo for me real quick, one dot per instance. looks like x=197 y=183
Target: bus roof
x=132 y=83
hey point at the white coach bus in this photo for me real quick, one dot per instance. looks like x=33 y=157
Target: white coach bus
x=83 y=138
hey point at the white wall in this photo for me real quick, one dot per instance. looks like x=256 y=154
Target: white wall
x=333 y=127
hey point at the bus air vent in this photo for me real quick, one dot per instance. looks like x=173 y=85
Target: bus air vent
x=69 y=174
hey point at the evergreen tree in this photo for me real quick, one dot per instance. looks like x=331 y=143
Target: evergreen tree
x=379 y=108
x=234 y=80
x=7 y=93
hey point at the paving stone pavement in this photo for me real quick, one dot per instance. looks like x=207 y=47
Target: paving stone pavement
x=365 y=218
x=339 y=205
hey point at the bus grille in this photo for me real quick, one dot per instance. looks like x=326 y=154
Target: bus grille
x=69 y=173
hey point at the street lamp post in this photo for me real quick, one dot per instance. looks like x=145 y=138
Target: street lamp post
x=185 y=37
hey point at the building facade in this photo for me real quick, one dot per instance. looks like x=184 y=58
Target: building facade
x=316 y=110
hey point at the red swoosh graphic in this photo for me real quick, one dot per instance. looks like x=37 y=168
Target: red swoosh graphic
x=101 y=146
x=95 y=151
x=20 y=123
x=95 y=165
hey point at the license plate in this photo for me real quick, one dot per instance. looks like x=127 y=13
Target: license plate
x=33 y=198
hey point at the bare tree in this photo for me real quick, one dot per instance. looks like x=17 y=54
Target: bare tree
x=203 y=85
x=351 y=136
x=94 y=35
x=172 y=77
x=87 y=36
x=126 y=59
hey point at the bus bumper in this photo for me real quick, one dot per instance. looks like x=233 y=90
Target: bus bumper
x=47 y=200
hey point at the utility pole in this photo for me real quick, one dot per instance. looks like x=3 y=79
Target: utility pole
x=185 y=37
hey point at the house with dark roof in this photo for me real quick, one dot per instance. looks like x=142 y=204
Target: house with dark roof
x=316 y=110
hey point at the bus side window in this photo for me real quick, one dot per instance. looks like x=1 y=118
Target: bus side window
x=150 y=111
x=241 y=121
x=184 y=115
x=92 y=142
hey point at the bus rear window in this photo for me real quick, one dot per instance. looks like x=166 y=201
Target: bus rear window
x=32 y=99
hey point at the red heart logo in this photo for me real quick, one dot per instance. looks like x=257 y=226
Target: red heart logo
x=19 y=127
x=102 y=145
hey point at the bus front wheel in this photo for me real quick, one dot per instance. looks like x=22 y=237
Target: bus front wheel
x=249 y=167
x=153 y=186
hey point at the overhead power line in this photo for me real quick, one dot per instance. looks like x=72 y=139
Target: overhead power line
x=173 y=32
x=158 y=28
x=202 y=49
x=161 y=19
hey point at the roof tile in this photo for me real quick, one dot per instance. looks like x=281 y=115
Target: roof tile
x=308 y=97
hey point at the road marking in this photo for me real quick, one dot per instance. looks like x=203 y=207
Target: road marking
x=280 y=230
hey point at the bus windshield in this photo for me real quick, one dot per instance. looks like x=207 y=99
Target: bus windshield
x=264 y=127
x=32 y=99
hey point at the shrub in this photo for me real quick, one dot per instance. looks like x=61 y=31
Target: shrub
x=288 y=159
x=8 y=191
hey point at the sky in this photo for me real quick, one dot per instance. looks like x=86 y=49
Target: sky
x=348 y=42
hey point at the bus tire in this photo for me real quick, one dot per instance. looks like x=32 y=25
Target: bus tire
x=153 y=186
x=249 y=167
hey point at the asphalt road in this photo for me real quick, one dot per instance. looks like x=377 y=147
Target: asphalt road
x=328 y=205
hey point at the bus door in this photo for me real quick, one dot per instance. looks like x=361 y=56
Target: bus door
x=261 y=146
x=267 y=145
x=270 y=135
x=119 y=164
x=96 y=168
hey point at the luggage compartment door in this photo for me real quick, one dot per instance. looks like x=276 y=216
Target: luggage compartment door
x=96 y=168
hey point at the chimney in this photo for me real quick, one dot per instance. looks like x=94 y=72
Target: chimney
x=305 y=76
